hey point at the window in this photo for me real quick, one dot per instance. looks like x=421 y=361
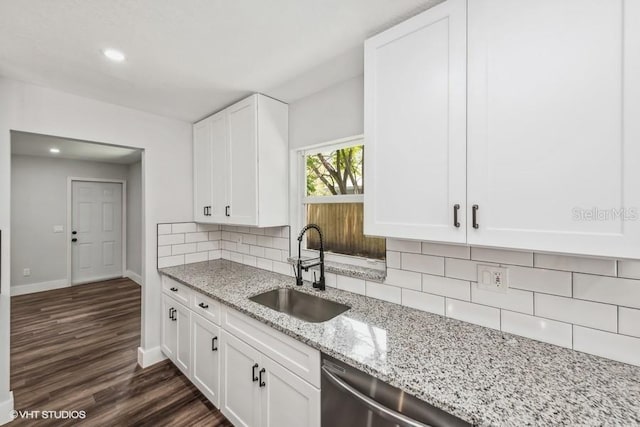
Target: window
x=333 y=198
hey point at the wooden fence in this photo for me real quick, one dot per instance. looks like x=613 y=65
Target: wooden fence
x=341 y=225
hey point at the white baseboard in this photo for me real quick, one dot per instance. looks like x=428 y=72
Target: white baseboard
x=134 y=276
x=150 y=356
x=6 y=407
x=38 y=287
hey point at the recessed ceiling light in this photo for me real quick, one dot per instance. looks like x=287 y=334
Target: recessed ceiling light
x=54 y=150
x=114 y=55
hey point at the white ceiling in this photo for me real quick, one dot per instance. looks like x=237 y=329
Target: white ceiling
x=31 y=144
x=188 y=58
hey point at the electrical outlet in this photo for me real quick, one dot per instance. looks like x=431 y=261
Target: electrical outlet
x=58 y=229
x=26 y=272
x=493 y=278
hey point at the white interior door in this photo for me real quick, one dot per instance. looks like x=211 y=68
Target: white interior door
x=96 y=220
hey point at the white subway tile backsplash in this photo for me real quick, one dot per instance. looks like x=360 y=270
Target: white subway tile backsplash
x=215 y=254
x=512 y=299
x=404 y=279
x=502 y=256
x=453 y=288
x=196 y=257
x=170 y=239
x=351 y=284
x=331 y=280
x=540 y=280
x=283 y=268
x=266 y=241
x=473 y=313
x=215 y=235
x=578 y=312
x=257 y=251
x=462 y=269
x=243 y=249
x=164 y=251
x=404 y=246
x=545 y=330
x=393 y=259
x=273 y=232
x=265 y=264
x=423 y=301
x=629 y=269
x=612 y=290
x=211 y=245
x=605 y=267
x=383 y=292
x=235 y=257
x=605 y=344
x=629 y=321
x=207 y=227
x=183 y=227
x=423 y=263
x=281 y=243
x=273 y=254
x=183 y=249
x=249 y=260
x=249 y=239
x=170 y=261
x=201 y=236
x=229 y=246
x=450 y=251
x=164 y=229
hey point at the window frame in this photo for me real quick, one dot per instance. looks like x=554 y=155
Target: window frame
x=299 y=200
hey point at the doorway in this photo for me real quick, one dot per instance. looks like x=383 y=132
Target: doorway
x=98 y=230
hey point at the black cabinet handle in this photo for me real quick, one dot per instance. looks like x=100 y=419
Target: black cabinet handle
x=204 y=209
x=456 y=208
x=262 y=383
x=475 y=216
x=226 y=210
x=214 y=347
x=74 y=232
x=253 y=373
x=203 y=305
x=74 y=240
x=174 y=289
x=172 y=312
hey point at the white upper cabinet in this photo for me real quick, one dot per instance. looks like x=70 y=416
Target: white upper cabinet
x=247 y=183
x=415 y=127
x=554 y=125
x=545 y=149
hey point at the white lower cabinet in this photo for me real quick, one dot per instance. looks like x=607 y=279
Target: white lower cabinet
x=205 y=361
x=257 y=376
x=257 y=391
x=176 y=333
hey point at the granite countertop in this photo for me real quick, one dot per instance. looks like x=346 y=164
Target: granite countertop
x=481 y=375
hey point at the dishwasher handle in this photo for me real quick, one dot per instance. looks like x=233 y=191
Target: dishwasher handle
x=377 y=407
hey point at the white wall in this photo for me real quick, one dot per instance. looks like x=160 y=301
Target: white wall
x=331 y=114
x=134 y=219
x=167 y=178
x=38 y=202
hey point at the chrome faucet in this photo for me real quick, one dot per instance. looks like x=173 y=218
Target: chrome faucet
x=319 y=284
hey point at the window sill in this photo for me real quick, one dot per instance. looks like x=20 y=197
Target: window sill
x=365 y=273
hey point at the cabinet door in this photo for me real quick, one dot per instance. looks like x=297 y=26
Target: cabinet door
x=169 y=342
x=202 y=170
x=240 y=396
x=415 y=119
x=287 y=400
x=183 y=340
x=205 y=365
x=220 y=162
x=554 y=135
x=243 y=162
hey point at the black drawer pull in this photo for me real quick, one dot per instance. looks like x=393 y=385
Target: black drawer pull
x=226 y=210
x=456 y=208
x=214 y=347
x=253 y=373
x=174 y=289
x=203 y=305
x=262 y=383
x=172 y=314
x=474 y=209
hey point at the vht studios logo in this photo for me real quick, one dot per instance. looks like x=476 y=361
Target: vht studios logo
x=598 y=214
x=48 y=415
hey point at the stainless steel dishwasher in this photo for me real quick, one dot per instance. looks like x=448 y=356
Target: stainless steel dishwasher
x=351 y=398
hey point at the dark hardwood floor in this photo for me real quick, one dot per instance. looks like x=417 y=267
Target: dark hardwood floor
x=76 y=349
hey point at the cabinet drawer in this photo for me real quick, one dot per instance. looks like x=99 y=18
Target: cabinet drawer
x=177 y=291
x=206 y=307
x=299 y=358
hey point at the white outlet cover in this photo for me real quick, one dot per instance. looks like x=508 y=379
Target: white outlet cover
x=58 y=229
x=493 y=278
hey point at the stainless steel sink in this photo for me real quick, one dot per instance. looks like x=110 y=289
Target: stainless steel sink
x=301 y=305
